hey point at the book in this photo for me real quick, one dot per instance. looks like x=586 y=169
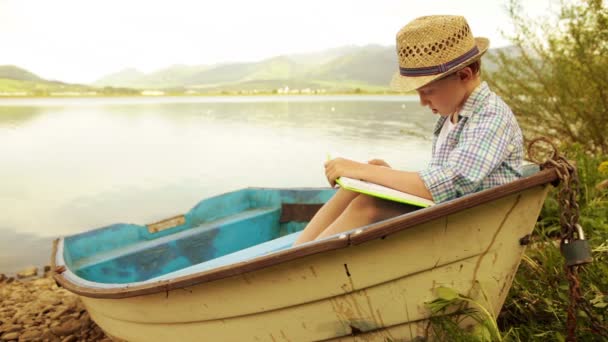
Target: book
x=381 y=191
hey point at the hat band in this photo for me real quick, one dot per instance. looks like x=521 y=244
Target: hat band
x=441 y=68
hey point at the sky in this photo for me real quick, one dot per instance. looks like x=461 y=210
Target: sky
x=81 y=41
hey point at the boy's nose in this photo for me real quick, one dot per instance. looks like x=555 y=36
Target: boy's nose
x=423 y=101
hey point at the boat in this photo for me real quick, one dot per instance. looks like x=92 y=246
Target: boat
x=227 y=269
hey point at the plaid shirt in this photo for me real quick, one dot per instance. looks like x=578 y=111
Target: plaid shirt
x=484 y=150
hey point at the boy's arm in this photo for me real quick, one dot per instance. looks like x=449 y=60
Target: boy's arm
x=405 y=181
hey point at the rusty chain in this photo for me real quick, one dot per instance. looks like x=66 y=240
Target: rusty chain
x=569 y=215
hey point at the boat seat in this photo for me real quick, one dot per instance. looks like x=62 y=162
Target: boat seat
x=204 y=228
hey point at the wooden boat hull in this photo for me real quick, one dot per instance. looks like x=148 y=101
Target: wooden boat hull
x=370 y=284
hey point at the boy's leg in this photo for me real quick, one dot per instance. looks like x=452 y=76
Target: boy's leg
x=326 y=215
x=365 y=210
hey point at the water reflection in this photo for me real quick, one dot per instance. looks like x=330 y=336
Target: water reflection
x=70 y=165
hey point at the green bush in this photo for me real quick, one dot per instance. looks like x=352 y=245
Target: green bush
x=555 y=78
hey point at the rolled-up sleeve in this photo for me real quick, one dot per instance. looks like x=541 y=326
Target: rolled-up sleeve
x=478 y=152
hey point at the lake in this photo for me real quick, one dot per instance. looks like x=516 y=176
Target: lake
x=72 y=164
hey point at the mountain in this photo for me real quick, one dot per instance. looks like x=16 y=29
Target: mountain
x=323 y=56
x=164 y=78
x=344 y=67
x=347 y=68
x=372 y=64
x=12 y=72
x=277 y=68
x=16 y=81
x=369 y=67
x=127 y=78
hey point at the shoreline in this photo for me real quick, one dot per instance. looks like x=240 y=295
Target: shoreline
x=380 y=93
x=34 y=308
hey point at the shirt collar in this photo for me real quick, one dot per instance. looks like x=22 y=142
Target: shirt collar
x=479 y=94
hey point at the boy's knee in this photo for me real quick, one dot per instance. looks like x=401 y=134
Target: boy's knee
x=366 y=207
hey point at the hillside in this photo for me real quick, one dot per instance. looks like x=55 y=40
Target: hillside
x=12 y=72
x=350 y=68
x=368 y=68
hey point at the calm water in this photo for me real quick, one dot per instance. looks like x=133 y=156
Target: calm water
x=69 y=165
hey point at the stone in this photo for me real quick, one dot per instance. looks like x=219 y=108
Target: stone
x=30 y=335
x=70 y=338
x=71 y=301
x=48 y=297
x=41 y=283
x=48 y=335
x=60 y=312
x=19 y=317
x=28 y=272
x=28 y=321
x=67 y=328
x=47 y=309
x=10 y=328
x=10 y=336
x=36 y=309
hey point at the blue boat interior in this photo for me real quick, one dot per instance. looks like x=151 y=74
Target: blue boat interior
x=217 y=231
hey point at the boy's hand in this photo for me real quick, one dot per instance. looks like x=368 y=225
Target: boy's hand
x=379 y=162
x=339 y=167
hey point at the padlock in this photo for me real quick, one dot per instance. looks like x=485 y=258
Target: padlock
x=577 y=252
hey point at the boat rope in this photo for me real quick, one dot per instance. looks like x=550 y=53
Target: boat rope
x=570 y=231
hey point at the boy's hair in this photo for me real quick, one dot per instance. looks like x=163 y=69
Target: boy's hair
x=475 y=67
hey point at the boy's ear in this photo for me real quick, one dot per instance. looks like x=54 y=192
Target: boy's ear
x=465 y=74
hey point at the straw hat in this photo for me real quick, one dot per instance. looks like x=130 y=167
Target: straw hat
x=431 y=47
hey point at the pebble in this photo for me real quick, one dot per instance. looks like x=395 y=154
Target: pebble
x=33 y=308
x=30 y=335
x=10 y=336
x=69 y=327
x=28 y=272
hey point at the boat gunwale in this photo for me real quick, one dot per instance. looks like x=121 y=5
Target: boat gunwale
x=354 y=237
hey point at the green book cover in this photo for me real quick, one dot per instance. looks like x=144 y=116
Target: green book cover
x=381 y=191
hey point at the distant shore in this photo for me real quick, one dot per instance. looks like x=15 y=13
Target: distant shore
x=201 y=95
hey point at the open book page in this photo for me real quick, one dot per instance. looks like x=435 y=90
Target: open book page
x=381 y=191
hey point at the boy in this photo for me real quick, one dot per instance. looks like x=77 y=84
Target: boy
x=477 y=142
